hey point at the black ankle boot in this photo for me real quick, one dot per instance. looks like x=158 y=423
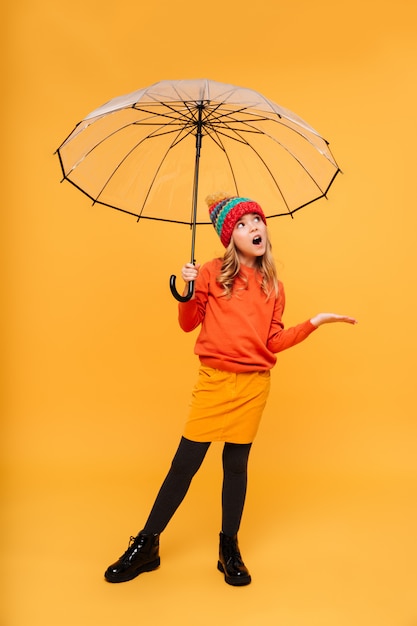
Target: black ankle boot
x=142 y=555
x=230 y=562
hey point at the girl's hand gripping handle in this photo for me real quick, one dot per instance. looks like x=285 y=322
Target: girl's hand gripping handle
x=189 y=273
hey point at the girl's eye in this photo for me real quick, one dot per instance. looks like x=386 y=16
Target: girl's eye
x=239 y=224
x=257 y=218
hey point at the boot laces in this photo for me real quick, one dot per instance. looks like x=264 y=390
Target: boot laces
x=233 y=554
x=130 y=548
x=235 y=557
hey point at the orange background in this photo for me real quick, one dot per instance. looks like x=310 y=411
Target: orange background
x=97 y=374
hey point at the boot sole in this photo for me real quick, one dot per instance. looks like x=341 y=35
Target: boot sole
x=235 y=581
x=123 y=578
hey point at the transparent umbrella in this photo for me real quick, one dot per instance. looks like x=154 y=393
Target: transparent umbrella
x=153 y=152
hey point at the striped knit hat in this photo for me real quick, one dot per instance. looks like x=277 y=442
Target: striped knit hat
x=225 y=211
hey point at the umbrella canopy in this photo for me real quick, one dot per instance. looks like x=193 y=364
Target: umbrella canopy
x=154 y=152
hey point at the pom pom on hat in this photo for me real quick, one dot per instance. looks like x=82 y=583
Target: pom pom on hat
x=226 y=210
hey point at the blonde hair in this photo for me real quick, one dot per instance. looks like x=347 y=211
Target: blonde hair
x=265 y=265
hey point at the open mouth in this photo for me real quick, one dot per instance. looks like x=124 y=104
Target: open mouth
x=257 y=241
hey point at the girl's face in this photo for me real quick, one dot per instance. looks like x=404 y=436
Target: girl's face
x=250 y=237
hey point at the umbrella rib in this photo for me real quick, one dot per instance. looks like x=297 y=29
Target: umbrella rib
x=154 y=133
x=220 y=144
x=120 y=129
x=179 y=113
x=242 y=140
x=262 y=118
x=284 y=114
x=154 y=178
x=126 y=156
x=322 y=195
x=143 y=217
x=284 y=147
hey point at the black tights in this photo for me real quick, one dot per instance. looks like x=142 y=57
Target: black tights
x=186 y=463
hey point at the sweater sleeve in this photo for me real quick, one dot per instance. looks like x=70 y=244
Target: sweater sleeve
x=281 y=338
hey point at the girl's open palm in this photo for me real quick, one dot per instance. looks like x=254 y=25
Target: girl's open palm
x=329 y=318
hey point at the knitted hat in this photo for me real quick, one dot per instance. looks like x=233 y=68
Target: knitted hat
x=225 y=211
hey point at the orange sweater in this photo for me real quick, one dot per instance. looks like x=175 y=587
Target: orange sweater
x=243 y=333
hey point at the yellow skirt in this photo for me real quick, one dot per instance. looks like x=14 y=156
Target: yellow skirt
x=227 y=406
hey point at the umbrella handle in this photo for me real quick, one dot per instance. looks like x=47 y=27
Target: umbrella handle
x=177 y=295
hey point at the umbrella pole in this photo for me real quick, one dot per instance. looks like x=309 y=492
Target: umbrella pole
x=172 y=280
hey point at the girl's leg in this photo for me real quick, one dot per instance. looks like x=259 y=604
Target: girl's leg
x=235 y=463
x=142 y=554
x=186 y=463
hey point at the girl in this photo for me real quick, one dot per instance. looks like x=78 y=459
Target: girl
x=239 y=303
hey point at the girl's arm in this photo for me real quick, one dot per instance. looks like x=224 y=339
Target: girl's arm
x=280 y=339
x=191 y=313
